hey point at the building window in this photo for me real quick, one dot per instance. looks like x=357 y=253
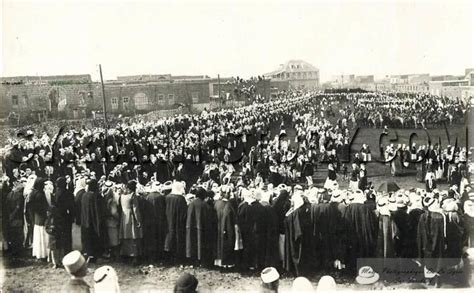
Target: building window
x=125 y=100
x=114 y=102
x=170 y=99
x=141 y=101
x=161 y=99
x=195 y=97
x=15 y=100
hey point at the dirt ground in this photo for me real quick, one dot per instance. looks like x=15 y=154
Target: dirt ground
x=28 y=275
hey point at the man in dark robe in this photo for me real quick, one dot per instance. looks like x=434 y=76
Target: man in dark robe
x=226 y=231
x=201 y=230
x=416 y=210
x=154 y=223
x=65 y=209
x=14 y=205
x=431 y=238
x=91 y=220
x=468 y=220
x=270 y=242
x=400 y=219
x=454 y=242
x=176 y=210
x=253 y=229
x=328 y=232
x=360 y=224
x=362 y=177
x=298 y=250
x=281 y=204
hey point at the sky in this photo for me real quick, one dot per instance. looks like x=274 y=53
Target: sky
x=230 y=38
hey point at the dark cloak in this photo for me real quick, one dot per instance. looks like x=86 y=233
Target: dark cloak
x=154 y=224
x=176 y=210
x=91 y=223
x=226 y=221
x=328 y=233
x=253 y=229
x=201 y=231
x=298 y=240
x=430 y=240
x=281 y=205
x=360 y=224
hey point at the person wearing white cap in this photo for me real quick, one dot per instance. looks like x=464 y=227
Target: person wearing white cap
x=272 y=235
x=106 y=280
x=251 y=221
x=154 y=222
x=298 y=247
x=112 y=217
x=361 y=230
x=354 y=178
x=431 y=235
x=131 y=229
x=75 y=264
x=281 y=204
x=469 y=223
x=270 y=280
x=227 y=231
x=328 y=224
x=332 y=177
x=386 y=230
x=176 y=211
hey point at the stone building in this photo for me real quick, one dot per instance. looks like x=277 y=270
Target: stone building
x=77 y=96
x=298 y=73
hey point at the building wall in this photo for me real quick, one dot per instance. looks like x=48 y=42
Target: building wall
x=131 y=99
x=26 y=98
x=79 y=100
x=451 y=91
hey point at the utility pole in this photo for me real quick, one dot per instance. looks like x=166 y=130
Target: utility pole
x=103 y=94
x=219 y=88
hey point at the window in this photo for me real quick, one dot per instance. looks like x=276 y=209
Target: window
x=114 y=102
x=195 y=97
x=161 y=99
x=15 y=100
x=141 y=101
x=125 y=100
x=170 y=99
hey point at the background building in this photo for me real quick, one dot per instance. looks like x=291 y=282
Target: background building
x=298 y=73
x=77 y=96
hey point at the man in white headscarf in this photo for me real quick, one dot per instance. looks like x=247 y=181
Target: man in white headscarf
x=298 y=235
x=176 y=211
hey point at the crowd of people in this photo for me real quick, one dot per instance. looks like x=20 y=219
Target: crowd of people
x=231 y=189
x=405 y=110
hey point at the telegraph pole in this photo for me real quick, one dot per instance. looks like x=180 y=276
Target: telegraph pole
x=103 y=94
x=219 y=88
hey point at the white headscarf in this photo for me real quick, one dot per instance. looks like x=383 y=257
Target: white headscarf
x=80 y=185
x=30 y=182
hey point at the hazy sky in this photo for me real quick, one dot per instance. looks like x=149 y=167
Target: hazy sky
x=235 y=38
